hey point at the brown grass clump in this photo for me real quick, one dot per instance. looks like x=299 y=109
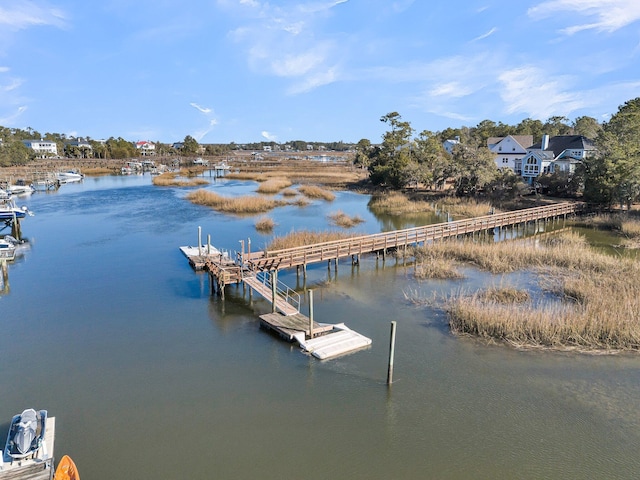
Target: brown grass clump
x=597 y=303
x=300 y=202
x=169 y=179
x=396 y=203
x=343 y=220
x=304 y=237
x=289 y=192
x=273 y=185
x=97 y=171
x=265 y=224
x=465 y=207
x=313 y=191
x=247 y=205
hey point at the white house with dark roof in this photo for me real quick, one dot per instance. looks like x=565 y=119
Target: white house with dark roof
x=43 y=148
x=510 y=150
x=556 y=154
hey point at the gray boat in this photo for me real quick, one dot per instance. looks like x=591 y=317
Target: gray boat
x=26 y=433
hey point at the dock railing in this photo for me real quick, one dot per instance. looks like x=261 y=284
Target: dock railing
x=287 y=294
x=294 y=256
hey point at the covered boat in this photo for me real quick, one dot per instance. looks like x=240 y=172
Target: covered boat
x=26 y=433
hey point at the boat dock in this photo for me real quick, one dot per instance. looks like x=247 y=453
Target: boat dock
x=38 y=468
x=259 y=271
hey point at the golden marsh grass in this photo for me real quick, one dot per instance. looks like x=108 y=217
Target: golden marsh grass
x=343 y=220
x=274 y=185
x=247 y=205
x=265 y=224
x=313 y=191
x=305 y=237
x=169 y=179
x=597 y=297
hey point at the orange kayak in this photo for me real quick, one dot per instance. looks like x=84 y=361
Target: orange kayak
x=66 y=470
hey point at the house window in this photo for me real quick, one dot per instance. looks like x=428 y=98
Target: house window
x=499 y=149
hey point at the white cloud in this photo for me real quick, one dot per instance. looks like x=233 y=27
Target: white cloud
x=532 y=91
x=451 y=89
x=11 y=119
x=269 y=136
x=289 y=42
x=198 y=107
x=485 y=35
x=608 y=15
x=22 y=14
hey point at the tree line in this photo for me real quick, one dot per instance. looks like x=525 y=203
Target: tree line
x=611 y=176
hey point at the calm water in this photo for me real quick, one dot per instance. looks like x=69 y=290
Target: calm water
x=106 y=326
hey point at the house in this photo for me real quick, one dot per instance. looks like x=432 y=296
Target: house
x=146 y=147
x=43 y=148
x=510 y=150
x=560 y=153
x=450 y=143
x=83 y=146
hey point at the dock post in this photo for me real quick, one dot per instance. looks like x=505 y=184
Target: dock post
x=5 y=272
x=209 y=244
x=310 y=313
x=274 y=286
x=392 y=348
x=199 y=241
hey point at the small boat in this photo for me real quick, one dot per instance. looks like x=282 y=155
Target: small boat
x=26 y=433
x=66 y=470
x=69 y=176
x=20 y=189
x=9 y=210
x=7 y=249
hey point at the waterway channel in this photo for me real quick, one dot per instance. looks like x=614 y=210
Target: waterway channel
x=106 y=326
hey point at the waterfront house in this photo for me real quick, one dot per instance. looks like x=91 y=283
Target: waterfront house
x=561 y=153
x=145 y=147
x=509 y=151
x=43 y=148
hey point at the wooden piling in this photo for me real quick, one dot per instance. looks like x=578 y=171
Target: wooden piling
x=310 y=313
x=392 y=348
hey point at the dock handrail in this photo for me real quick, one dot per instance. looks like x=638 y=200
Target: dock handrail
x=282 y=290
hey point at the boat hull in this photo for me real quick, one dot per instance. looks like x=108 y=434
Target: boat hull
x=26 y=433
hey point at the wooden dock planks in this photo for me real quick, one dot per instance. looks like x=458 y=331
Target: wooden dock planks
x=288 y=326
x=40 y=468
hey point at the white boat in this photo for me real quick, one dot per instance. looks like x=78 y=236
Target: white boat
x=69 y=176
x=20 y=189
x=7 y=250
x=9 y=210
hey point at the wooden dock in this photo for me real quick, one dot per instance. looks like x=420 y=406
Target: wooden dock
x=39 y=468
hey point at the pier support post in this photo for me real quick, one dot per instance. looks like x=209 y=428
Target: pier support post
x=199 y=241
x=274 y=290
x=392 y=348
x=310 y=313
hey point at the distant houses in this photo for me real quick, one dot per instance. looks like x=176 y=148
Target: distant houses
x=145 y=147
x=43 y=148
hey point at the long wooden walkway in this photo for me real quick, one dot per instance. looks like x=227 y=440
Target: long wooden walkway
x=380 y=242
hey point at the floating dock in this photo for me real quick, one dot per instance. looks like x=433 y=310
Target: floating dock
x=340 y=340
x=39 y=467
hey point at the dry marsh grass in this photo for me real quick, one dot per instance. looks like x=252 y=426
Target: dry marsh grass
x=313 y=191
x=305 y=237
x=289 y=192
x=465 y=207
x=274 y=185
x=343 y=220
x=397 y=203
x=97 y=171
x=597 y=306
x=170 y=179
x=247 y=205
x=265 y=224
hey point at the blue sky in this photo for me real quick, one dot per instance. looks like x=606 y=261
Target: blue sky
x=250 y=70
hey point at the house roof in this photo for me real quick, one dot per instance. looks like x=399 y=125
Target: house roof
x=560 y=143
x=523 y=140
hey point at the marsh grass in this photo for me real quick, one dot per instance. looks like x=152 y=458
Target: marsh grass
x=247 y=205
x=97 y=171
x=343 y=220
x=313 y=191
x=397 y=203
x=265 y=224
x=169 y=179
x=273 y=185
x=597 y=305
x=305 y=237
x=289 y=192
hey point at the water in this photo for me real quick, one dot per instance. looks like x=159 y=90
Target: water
x=106 y=326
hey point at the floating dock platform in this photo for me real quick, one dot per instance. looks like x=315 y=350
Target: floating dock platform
x=340 y=340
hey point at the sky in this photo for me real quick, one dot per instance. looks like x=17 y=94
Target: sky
x=325 y=70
